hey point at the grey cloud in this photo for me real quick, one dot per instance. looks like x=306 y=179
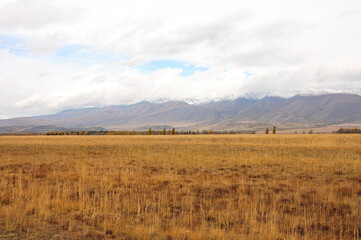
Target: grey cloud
x=154 y=37
x=23 y=14
x=99 y=79
x=348 y=13
x=42 y=75
x=346 y=75
x=270 y=44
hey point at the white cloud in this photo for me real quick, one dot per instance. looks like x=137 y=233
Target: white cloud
x=284 y=44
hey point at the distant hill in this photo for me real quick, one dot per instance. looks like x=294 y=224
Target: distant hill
x=241 y=113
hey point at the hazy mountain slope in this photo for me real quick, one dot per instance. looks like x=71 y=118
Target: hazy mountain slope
x=67 y=114
x=137 y=114
x=183 y=114
x=24 y=121
x=326 y=108
x=262 y=107
x=230 y=107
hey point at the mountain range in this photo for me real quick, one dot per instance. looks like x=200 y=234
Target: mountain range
x=242 y=113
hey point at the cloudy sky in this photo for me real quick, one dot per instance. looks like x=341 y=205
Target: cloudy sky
x=62 y=54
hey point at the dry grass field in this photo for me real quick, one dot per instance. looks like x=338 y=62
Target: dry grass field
x=181 y=187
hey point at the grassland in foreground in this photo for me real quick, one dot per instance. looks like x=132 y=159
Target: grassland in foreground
x=181 y=187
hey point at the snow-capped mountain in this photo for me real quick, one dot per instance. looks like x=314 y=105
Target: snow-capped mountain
x=289 y=93
x=307 y=92
x=304 y=108
x=259 y=95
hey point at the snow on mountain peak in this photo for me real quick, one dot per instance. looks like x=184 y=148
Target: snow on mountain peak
x=260 y=95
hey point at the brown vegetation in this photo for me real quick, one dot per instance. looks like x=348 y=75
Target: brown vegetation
x=181 y=187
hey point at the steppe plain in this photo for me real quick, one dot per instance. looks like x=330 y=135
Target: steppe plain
x=282 y=186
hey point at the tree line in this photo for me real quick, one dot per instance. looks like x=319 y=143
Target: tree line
x=150 y=132
x=348 y=130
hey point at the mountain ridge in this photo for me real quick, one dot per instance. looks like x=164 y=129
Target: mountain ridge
x=238 y=114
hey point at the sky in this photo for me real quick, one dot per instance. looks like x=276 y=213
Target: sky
x=63 y=54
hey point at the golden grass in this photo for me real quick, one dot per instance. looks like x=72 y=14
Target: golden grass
x=181 y=187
